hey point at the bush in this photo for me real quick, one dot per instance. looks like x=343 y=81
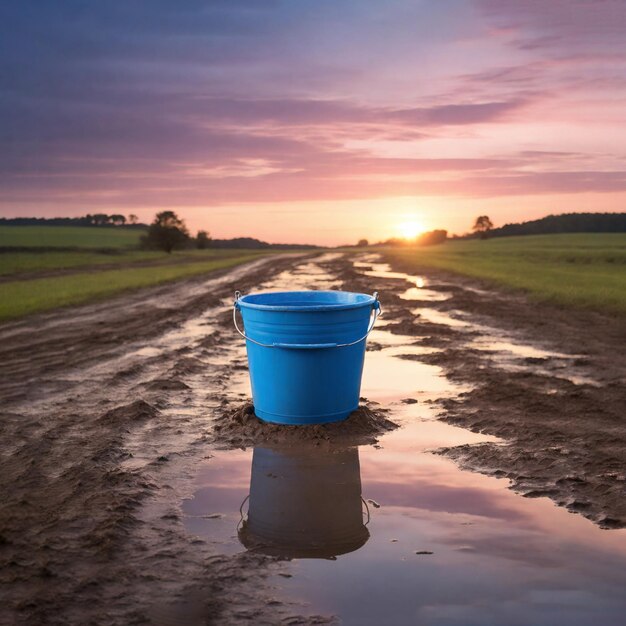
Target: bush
x=203 y=241
x=167 y=232
x=432 y=238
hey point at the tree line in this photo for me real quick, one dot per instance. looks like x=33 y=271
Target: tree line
x=168 y=232
x=565 y=223
x=95 y=219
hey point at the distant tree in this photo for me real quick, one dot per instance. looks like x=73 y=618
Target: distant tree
x=482 y=226
x=167 y=232
x=362 y=243
x=395 y=241
x=118 y=220
x=254 y=244
x=132 y=219
x=432 y=237
x=100 y=219
x=203 y=240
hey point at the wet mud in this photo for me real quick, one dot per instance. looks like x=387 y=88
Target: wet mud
x=238 y=427
x=138 y=488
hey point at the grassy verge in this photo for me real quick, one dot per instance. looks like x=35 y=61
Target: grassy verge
x=20 y=298
x=13 y=263
x=584 y=270
x=20 y=264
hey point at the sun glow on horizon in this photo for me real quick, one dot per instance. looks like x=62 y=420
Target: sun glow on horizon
x=410 y=229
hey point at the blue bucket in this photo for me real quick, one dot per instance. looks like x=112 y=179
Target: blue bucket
x=305 y=352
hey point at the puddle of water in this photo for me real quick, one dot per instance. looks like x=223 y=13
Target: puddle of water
x=524 y=351
x=366 y=260
x=403 y=349
x=420 y=293
x=384 y=338
x=380 y=323
x=295 y=281
x=387 y=379
x=440 y=317
x=383 y=270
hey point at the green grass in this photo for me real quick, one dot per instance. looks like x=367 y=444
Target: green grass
x=27 y=262
x=25 y=297
x=69 y=236
x=583 y=270
x=20 y=264
x=41 y=278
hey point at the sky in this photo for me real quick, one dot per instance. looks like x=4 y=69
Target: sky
x=319 y=121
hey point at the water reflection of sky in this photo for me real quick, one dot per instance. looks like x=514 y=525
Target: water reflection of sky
x=497 y=558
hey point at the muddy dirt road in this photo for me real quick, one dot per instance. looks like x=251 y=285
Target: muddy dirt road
x=122 y=503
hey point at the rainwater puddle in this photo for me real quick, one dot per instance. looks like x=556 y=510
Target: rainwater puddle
x=383 y=270
x=305 y=276
x=421 y=293
x=394 y=534
x=387 y=379
x=418 y=293
x=445 y=319
x=519 y=350
x=379 y=336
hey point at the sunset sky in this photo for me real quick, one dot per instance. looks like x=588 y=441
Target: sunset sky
x=317 y=121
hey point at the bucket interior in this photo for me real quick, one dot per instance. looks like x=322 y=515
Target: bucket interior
x=306 y=300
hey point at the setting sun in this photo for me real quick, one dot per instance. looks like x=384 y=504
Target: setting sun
x=410 y=229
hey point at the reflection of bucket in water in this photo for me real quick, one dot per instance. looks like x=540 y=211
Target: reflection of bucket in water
x=304 y=503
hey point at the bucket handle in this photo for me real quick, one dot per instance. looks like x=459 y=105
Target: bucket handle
x=376 y=313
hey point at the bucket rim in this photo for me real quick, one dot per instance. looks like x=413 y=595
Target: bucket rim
x=360 y=300
x=294 y=549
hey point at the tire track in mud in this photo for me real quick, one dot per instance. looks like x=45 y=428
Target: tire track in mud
x=93 y=433
x=34 y=349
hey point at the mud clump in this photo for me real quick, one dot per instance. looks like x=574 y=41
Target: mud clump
x=240 y=428
x=133 y=412
x=167 y=384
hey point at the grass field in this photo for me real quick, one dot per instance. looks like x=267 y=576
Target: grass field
x=584 y=270
x=68 y=237
x=90 y=264
x=21 y=264
x=12 y=263
x=24 y=297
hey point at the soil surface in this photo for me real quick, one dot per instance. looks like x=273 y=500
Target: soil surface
x=239 y=427
x=106 y=407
